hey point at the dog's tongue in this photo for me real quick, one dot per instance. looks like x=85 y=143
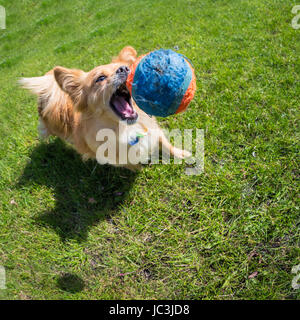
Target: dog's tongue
x=123 y=107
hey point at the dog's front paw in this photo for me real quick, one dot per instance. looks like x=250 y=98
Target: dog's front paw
x=181 y=154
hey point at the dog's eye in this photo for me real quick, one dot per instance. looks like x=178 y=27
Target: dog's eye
x=101 y=78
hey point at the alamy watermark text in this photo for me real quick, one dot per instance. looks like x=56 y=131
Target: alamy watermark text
x=2 y=18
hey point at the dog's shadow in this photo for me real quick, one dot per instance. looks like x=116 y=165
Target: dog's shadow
x=84 y=192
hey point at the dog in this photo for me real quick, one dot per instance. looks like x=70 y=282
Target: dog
x=74 y=105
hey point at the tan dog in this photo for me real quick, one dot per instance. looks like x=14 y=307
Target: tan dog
x=74 y=105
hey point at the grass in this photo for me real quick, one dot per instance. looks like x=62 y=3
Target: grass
x=74 y=230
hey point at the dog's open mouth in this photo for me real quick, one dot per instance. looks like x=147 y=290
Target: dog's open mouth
x=120 y=102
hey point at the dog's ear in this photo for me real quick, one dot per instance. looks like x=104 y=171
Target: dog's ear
x=127 y=55
x=71 y=81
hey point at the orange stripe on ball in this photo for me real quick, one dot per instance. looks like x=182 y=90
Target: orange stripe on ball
x=130 y=77
x=189 y=94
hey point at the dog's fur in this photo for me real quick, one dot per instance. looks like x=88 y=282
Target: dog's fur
x=74 y=106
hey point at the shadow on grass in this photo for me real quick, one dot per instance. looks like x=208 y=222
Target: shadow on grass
x=85 y=192
x=70 y=283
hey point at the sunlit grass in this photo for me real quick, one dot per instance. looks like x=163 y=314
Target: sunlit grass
x=69 y=230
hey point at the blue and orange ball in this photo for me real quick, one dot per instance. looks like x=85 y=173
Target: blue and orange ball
x=162 y=83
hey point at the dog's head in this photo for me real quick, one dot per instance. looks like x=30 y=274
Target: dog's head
x=103 y=89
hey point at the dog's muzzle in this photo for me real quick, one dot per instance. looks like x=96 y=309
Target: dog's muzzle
x=121 y=101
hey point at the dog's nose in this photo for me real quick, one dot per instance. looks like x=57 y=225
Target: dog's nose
x=123 y=70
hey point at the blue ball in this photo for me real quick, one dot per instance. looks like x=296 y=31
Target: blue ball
x=160 y=81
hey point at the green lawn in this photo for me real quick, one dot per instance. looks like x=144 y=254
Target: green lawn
x=75 y=230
